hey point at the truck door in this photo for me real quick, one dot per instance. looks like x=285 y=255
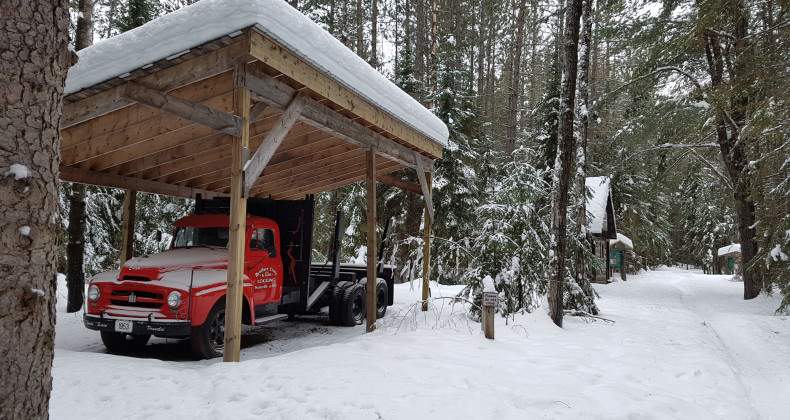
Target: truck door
x=264 y=266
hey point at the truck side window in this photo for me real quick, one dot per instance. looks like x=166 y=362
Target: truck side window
x=263 y=239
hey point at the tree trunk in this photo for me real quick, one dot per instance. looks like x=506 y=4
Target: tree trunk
x=421 y=32
x=514 y=96
x=374 y=34
x=727 y=67
x=564 y=160
x=360 y=25
x=581 y=151
x=75 y=250
x=34 y=59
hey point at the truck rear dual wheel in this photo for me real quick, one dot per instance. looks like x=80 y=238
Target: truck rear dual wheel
x=208 y=339
x=352 y=311
x=336 y=302
x=123 y=343
x=382 y=296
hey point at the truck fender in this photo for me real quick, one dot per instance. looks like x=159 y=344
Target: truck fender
x=202 y=304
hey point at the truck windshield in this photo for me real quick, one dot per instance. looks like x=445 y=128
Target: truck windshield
x=212 y=237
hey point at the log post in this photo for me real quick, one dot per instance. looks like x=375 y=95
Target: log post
x=127 y=225
x=238 y=221
x=426 y=250
x=370 y=184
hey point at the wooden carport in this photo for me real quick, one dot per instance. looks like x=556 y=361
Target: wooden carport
x=240 y=115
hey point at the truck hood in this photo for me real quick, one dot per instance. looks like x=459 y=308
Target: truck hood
x=154 y=265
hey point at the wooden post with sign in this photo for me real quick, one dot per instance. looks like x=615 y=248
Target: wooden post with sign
x=490 y=300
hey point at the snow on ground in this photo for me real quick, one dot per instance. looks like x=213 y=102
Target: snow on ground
x=683 y=345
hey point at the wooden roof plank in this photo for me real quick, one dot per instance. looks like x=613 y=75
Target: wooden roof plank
x=276 y=56
x=267 y=89
x=190 y=71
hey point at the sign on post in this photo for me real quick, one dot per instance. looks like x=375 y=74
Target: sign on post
x=490 y=300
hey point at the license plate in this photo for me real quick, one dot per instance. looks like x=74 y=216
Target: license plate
x=123 y=325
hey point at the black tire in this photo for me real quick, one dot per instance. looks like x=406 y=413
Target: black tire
x=208 y=339
x=382 y=298
x=353 y=307
x=336 y=302
x=123 y=343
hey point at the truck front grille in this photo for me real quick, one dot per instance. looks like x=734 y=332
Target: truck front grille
x=136 y=298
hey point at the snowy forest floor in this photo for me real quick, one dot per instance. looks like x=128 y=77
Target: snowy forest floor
x=683 y=345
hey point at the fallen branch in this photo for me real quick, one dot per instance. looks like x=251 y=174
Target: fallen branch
x=586 y=316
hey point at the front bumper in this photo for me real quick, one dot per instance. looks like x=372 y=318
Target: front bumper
x=140 y=326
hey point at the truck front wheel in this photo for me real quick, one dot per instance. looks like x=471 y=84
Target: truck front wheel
x=123 y=343
x=208 y=339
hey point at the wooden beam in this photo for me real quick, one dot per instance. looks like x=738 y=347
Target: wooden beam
x=182 y=108
x=426 y=249
x=127 y=225
x=328 y=185
x=370 y=187
x=257 y=110
x=102 y=179
x=264 y=153
x=189 y=71
x=280 y=58
x=238 y=222
x=277 y=94
x=400 y=183
x=426 y=191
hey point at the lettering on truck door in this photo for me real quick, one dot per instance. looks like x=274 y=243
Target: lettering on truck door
x=265 y=266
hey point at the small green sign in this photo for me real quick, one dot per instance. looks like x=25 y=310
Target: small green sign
x=730 y=263
x=615 y=258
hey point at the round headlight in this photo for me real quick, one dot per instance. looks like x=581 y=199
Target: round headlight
x=94 y=293
x=174 y=299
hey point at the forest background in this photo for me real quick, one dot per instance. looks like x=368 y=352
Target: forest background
x=682 y=104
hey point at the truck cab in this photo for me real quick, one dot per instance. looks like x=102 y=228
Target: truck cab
x=171 y=293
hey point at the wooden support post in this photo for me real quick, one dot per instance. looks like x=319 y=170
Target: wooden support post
x=238 y=221
x=370 y=184
x=426 y=250
x=127 y=225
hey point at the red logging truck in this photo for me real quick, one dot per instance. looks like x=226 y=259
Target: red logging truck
x=180 y=293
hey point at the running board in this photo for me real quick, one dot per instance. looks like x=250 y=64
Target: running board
x=317 y=294
x=270 y=318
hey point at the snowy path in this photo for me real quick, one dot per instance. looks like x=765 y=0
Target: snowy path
x=683 y=345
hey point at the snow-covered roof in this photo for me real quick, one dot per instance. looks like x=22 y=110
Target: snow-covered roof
x=623 y=240
x=729 y=249
x=207 y=20
x=598 y=187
